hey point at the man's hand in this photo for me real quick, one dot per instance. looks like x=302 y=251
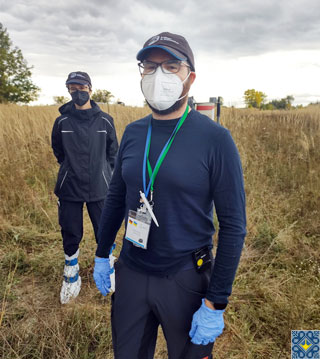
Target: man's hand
x=101 y=275
x=207 y=324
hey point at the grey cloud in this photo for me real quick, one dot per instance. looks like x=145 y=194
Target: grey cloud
x=253 y=28
x=102 y=31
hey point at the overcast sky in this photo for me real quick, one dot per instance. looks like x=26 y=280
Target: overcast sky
x=272 y=46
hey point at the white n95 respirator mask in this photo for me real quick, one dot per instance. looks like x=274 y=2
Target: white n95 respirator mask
x=162 y=90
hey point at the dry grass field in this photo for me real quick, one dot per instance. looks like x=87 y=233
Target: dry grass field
x=277 y=287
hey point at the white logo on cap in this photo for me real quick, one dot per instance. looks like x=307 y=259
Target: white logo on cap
x=154 y=39
x=165 y=38
x=75 y=74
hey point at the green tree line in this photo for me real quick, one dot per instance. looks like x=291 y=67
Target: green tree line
x=257 y=99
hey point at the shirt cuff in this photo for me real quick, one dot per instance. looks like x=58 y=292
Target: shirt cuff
x=220 y=306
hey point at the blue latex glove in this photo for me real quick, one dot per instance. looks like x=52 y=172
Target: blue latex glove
x=207 y=325
x=101 y=275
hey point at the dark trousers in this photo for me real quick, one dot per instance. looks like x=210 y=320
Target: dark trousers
x=71 y=222
x=142 y=302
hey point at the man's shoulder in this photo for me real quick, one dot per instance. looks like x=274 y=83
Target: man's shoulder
x=206 y=125
x=104 y=116
x=62 y=118
x=138 y=124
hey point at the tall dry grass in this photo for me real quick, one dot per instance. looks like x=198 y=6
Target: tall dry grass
x=277 y=288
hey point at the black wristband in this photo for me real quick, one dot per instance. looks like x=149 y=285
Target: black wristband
x=220 y=306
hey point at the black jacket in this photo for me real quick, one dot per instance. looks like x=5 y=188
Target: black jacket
x=85 y=145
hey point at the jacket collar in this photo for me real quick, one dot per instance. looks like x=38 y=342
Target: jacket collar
x=70 y=109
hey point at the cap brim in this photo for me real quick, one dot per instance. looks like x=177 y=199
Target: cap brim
x=178 y=55
x=79 y=82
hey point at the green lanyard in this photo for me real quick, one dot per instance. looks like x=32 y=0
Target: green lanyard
x=153 y=174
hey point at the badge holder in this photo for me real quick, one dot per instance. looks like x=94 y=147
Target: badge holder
x=138 y=227
x=139 y=222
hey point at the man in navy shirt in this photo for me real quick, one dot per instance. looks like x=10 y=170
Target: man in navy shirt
x=173 y=168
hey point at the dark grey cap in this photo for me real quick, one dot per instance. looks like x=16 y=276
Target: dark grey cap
x=81 y=78
x=175 y=45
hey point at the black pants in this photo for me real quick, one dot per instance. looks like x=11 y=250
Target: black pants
x=142 y=302
x=71 y=222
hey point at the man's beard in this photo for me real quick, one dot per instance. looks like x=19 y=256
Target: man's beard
x=177 y=105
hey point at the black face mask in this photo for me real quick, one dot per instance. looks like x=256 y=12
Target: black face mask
x=80 y=97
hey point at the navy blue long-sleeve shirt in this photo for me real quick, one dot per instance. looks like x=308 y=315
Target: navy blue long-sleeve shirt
x=201 y=170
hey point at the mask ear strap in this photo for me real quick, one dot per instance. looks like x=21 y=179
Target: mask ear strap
x=180 y=98
x=186 y=77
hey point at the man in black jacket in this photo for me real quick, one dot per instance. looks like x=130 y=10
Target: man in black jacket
x=85 y=144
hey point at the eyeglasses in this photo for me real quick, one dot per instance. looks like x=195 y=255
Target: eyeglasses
x=167 y=67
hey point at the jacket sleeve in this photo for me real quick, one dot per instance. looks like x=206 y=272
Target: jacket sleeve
x=56 y=142
x=229 y=200
x=112 y=145
x=114 y=208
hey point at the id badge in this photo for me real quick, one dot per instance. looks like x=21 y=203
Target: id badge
x=138 y=227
